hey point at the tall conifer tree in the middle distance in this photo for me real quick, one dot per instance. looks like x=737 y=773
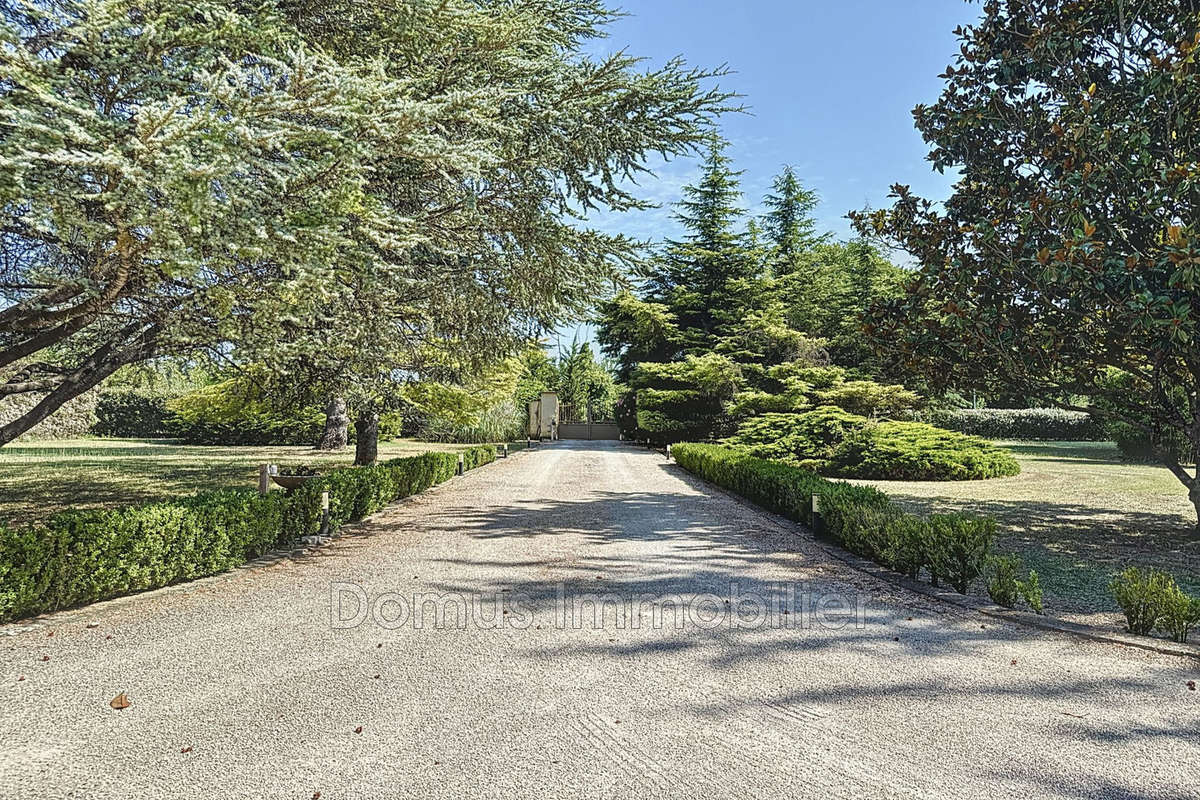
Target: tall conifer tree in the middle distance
x=708 y=277
x=789 y=223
